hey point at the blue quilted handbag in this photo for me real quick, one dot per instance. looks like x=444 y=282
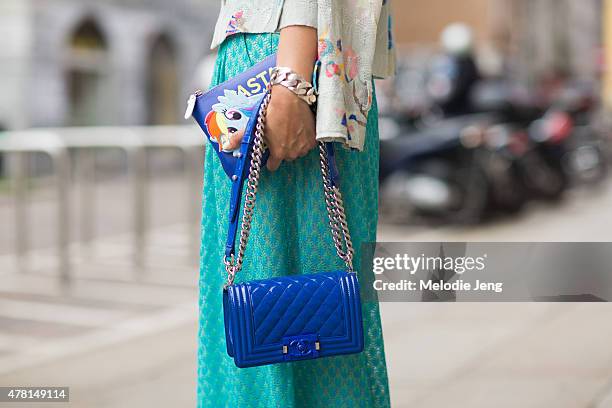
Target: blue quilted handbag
x=295 y=317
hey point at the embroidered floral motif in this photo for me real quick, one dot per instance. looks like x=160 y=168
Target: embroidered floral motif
x=331 y=69
x=351 y=63
x=343 y=63
x=236 y=23
x=326 y=47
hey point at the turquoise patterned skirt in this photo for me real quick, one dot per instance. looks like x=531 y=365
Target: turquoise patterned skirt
x=289 y=233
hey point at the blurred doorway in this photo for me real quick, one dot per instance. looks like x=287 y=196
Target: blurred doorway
x=87 y=75
x=162 y=82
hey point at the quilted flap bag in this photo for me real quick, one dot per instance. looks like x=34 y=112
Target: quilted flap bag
x=292 y=317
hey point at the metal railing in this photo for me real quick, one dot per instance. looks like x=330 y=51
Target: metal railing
x=75 y=148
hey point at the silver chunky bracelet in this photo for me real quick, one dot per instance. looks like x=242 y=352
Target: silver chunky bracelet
x=295 y=83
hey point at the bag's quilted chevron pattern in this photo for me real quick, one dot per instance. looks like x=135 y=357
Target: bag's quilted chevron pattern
x=288 y=235
x=260 y=315
x=308 y=304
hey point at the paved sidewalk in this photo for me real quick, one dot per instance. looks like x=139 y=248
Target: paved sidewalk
x=499 y=355
x=110 y=335
x=123 y=339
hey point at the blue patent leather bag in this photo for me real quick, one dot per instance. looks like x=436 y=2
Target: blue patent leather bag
x=293 y=317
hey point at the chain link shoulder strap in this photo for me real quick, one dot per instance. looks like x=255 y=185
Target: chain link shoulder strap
x=333 y=201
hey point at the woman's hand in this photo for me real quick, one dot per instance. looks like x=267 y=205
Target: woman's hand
x=290 y=124
x=290 y=127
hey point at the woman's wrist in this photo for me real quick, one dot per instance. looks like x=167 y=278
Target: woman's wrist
x=290 y=123
x=296 y=83
x=297 y=49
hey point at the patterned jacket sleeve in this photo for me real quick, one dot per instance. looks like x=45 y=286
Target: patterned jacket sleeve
x=350 y=33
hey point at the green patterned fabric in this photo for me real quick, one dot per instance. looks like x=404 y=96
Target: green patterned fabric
x=289 y=235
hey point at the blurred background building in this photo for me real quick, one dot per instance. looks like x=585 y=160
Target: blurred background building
x=532 y=37
x=99 y=62
x=111 y=62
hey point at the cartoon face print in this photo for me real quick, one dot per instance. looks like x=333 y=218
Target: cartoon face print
x=228 y=119
x=236 y=124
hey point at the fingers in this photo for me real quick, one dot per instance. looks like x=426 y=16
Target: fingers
x=273 y=163
x=278 y=155
x=292 y=155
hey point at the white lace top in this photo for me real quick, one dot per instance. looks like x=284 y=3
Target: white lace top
x=355 y=45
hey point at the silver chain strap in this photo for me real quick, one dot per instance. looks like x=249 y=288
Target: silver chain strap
x=336 y=213
x=333 y=201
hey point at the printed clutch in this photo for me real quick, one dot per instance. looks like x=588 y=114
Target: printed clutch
x=228 y=112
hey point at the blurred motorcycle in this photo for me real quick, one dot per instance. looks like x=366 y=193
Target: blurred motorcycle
x=564 y=146
x=433 y=172
x=471 y=145
x=584 y=159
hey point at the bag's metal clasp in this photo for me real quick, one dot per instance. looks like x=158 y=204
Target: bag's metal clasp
x=317 y=347
x=302 y=347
